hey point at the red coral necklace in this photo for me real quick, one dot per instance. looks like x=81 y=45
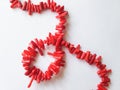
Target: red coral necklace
x=37 y=46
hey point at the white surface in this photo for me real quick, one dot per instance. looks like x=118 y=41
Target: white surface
x=95 y=24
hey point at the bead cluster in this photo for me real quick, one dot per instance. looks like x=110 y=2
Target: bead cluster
x=37 y=46
x=91 y=59
x=29 y=55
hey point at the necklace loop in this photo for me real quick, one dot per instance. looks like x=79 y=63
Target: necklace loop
x=38 y=46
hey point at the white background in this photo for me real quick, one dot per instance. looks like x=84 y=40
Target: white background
x=95 y=24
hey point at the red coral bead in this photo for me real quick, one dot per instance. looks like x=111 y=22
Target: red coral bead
x=14 y=4
x=24 y=5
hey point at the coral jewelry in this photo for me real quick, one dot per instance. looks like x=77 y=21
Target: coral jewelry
x=37 y=46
